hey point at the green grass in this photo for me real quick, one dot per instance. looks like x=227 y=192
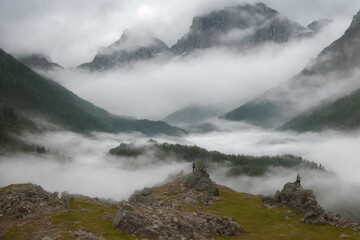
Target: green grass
x=89 y=215
x=83 y=213
x=259 y=222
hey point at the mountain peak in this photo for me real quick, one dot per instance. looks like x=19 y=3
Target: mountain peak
x=38 y=61
x=240 y=27
x=134 y=45
x=355 y=24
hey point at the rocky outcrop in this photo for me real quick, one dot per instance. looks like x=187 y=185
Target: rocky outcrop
x=293 y=195
x=21 y=200
x=241 y=27
x=159 y=213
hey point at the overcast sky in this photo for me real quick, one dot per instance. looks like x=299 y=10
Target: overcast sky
x=71 y=31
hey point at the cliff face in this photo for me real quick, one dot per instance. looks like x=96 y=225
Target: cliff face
x=239 y=27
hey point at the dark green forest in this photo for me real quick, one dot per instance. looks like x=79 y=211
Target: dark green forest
x=32 y=95
x=239 y=164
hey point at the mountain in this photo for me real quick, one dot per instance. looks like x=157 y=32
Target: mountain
x=319 y=24
x=31 y=96
x=342 y=114
x=133 y=46
x=329 y=75
x=191 y=115
x=39 y=62
x=240 y=27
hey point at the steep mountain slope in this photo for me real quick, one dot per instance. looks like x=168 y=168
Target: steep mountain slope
x=330 y=74
x=32 y=96
x=191 y=115
x=240 y=27
x=343 y=114
x=39 y=62
x=133 y=46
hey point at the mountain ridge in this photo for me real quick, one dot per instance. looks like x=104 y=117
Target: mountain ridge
x=31 y=95
x=238 y=27
x=315 y=83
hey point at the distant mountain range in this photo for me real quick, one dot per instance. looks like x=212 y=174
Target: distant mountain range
x=26 y=96
x=193 y=114
x=39 y=62
x=312 y=99
x=131 y=47
x=239 y=27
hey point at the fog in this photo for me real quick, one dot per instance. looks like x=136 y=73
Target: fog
x=337 y=151
x=217 y=77
x=81 y=164
x=221 y=78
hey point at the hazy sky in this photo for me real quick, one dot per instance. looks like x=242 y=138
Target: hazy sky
x=71 y=31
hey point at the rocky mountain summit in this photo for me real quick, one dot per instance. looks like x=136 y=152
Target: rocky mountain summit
x=133 y=46
x=237 y=27
x=39 y=62
x=156 y=213
x=293 y=195
x=241 y=27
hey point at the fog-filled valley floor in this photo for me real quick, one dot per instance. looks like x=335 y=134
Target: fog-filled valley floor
x=179 y=120
x=82 y=164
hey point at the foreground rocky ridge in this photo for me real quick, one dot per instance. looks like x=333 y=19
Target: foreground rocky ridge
x=188 y=206
x=157 y=214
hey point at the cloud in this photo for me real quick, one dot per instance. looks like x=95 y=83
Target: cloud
x=90 y=170
x=215 y=77
x=337 y=151
x=72 y=34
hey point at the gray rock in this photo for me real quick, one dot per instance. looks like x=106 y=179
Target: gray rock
x=155 y=214
x=240 y=27
x=23 y=199
x=304 y=200
x=200 y=181
x=133 y=222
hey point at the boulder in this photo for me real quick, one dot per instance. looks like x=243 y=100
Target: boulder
x=199 y=180
x=132 y=221
x=23 y=199
x=293 y=195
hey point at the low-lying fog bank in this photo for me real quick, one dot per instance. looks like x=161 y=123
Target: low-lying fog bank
x=81 y=164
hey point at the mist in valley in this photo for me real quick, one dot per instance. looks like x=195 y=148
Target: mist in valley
x=154 y=89
x=81 y=164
